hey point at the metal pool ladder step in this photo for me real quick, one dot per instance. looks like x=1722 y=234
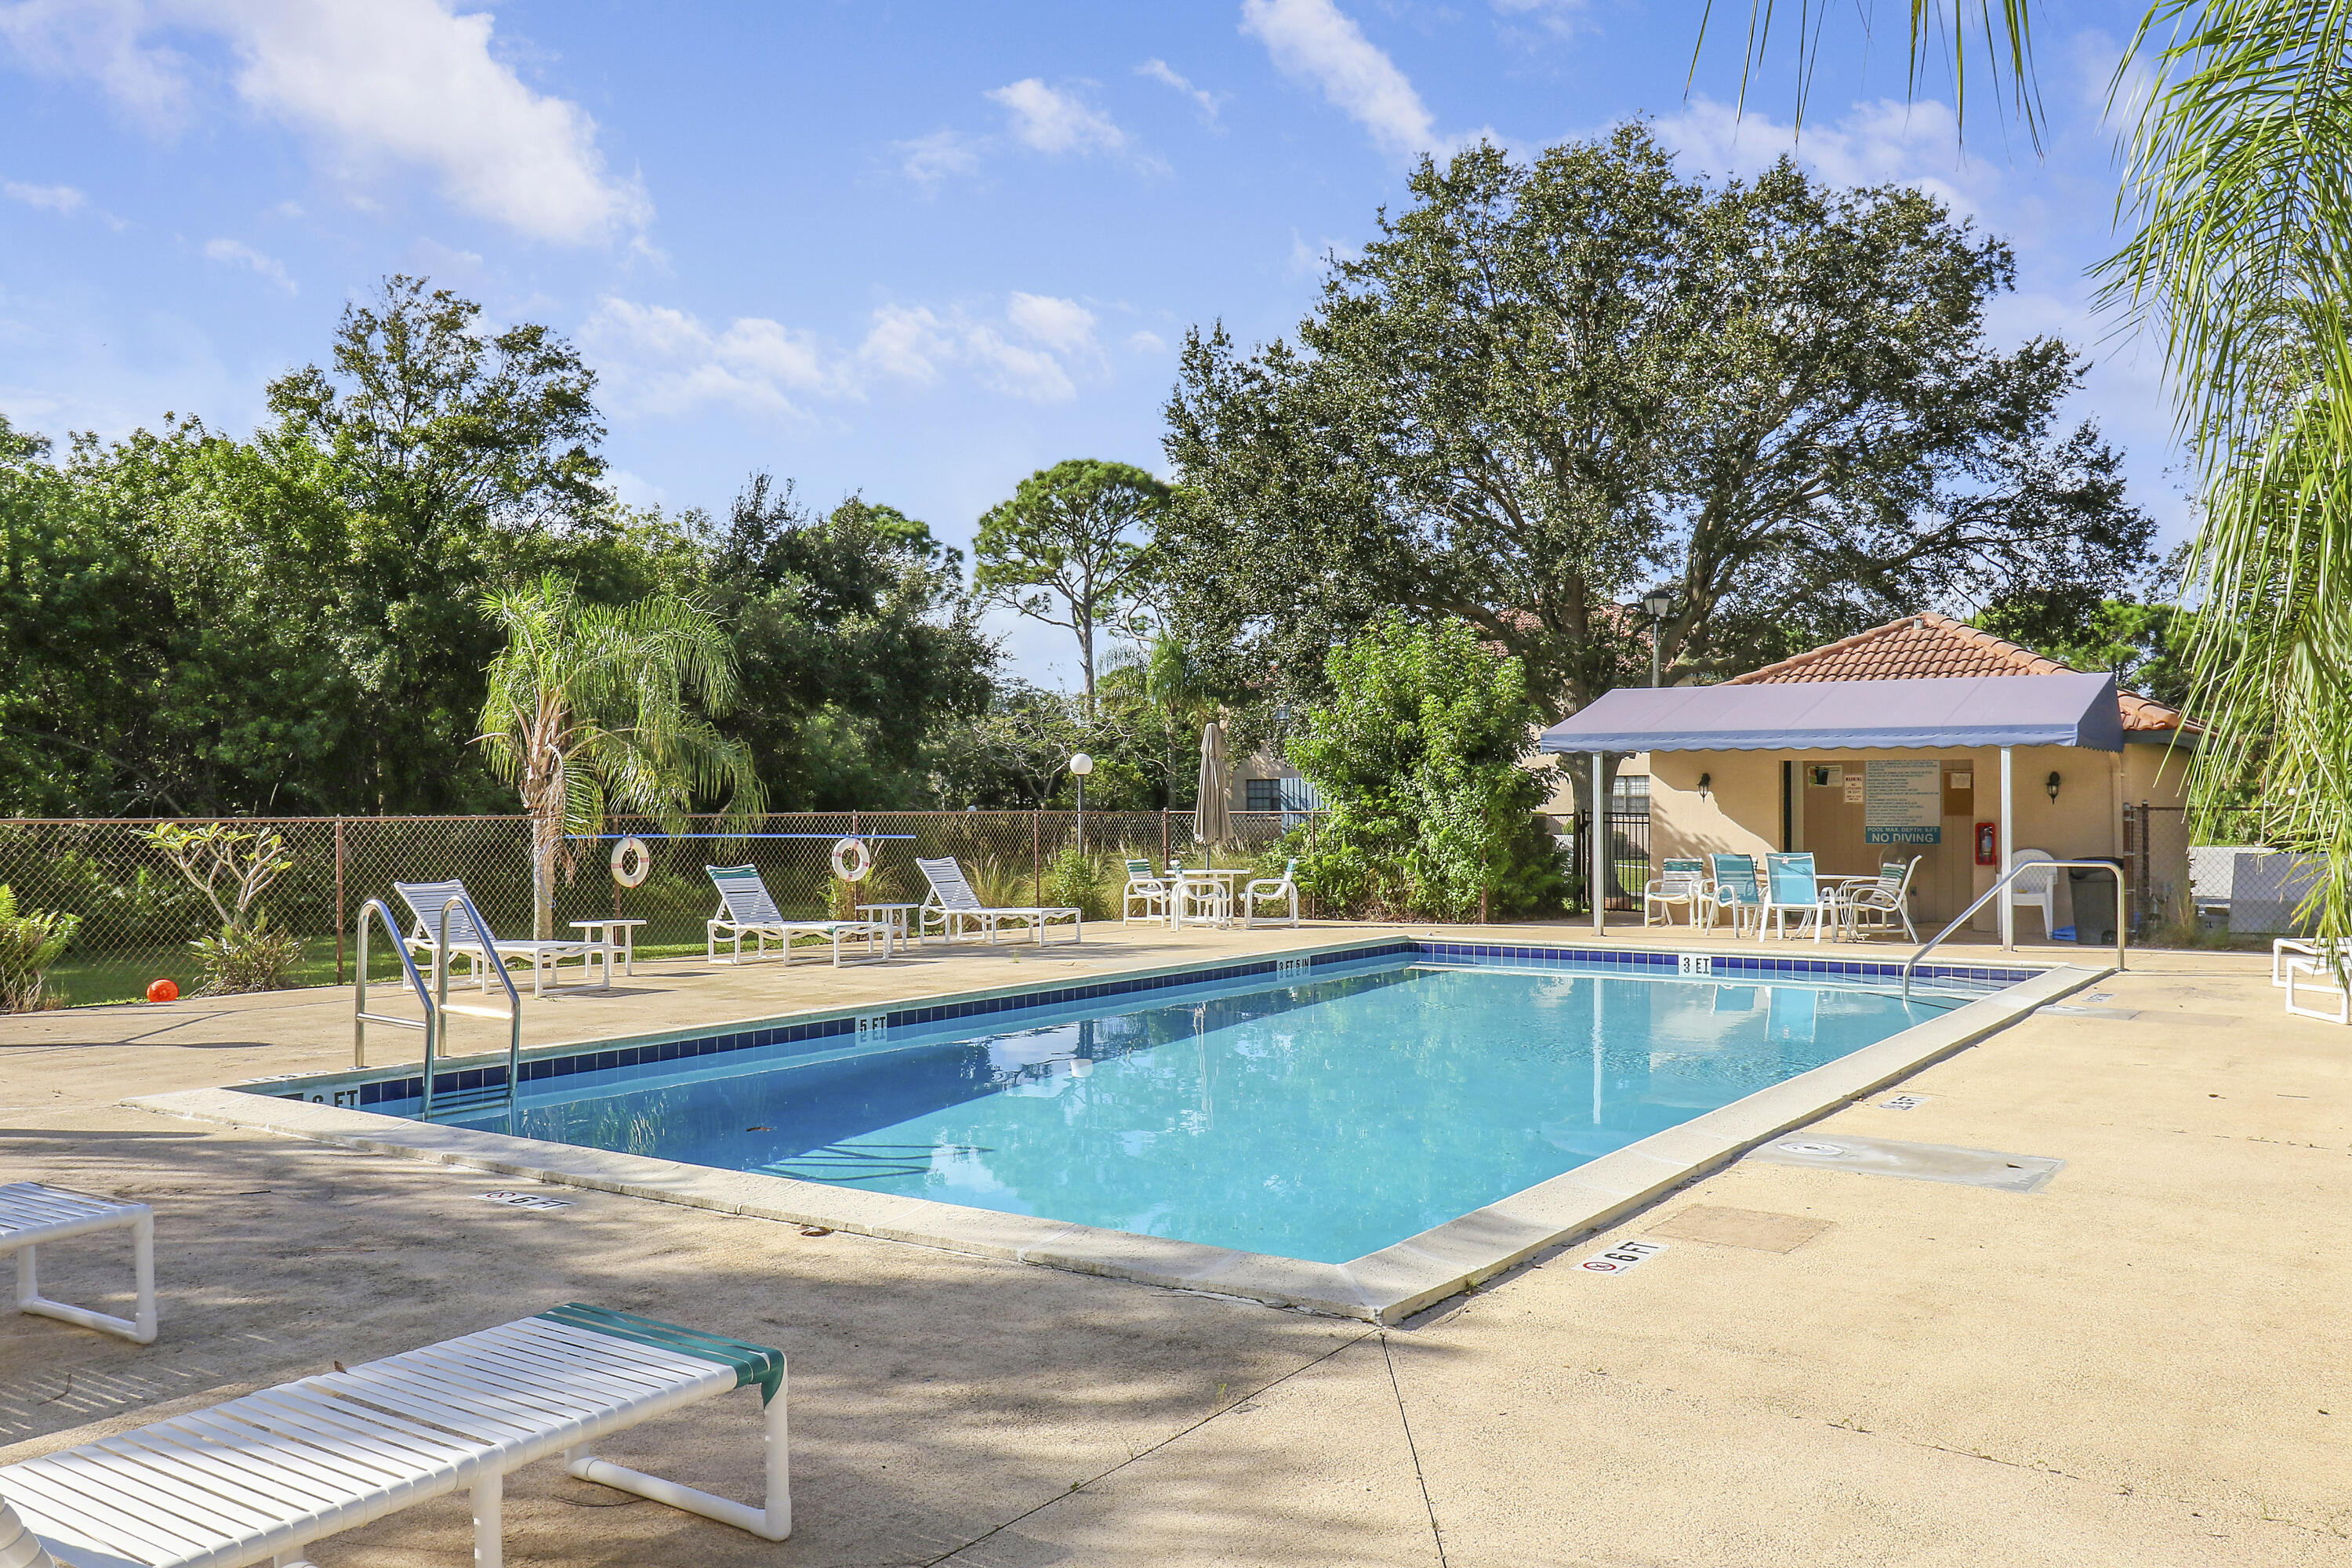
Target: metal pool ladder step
x=438 y=1009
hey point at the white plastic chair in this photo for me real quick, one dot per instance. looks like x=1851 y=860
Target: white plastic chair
x=1682 y=883
x=1885 y=901
x=32 y=1215
x=262 y=1477
x=2037 y=889
x=1203 y=900
x=1144 y=887
x=1271 y=890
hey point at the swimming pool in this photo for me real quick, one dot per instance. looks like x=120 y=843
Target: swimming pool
x=1322 y=1117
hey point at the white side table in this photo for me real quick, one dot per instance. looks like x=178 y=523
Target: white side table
x=899 y=918
x=31 y=1214
x=603 y=931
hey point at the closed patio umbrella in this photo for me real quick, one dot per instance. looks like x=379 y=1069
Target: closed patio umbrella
x=1212 y=815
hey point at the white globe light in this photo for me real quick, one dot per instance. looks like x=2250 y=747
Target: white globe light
x=1082 y=764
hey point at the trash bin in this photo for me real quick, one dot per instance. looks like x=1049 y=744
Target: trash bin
x=2095 y=906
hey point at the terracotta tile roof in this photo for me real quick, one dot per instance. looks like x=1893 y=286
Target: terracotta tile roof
x=1929 y=647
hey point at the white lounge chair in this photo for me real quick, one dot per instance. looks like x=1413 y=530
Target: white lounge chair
x=262 y=1477
x=1144 y=887
x=2037 y=889
x=1271 y=890
x=32 y=1215
x=1678 y=883
x=482 y=947
x=957 y=908
x=2308 y=963
x=745 y=909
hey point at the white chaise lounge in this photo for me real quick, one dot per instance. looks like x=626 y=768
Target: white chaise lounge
x=33 y=1215
x=745 y=909
x=262 y=1477
x=955 y=909
x=426 y=901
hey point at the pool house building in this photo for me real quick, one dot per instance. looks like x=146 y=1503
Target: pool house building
x=1922 y=737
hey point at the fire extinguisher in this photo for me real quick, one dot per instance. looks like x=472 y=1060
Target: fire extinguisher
x=1988 y=843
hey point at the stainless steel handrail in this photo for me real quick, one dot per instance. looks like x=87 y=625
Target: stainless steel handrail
x=361 y=1016
x=2123 y=907
x=436 y=1004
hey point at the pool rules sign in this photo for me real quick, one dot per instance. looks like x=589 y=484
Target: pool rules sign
x=1903 y=802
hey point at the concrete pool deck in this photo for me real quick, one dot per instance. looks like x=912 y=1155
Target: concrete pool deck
x=2129 y=1366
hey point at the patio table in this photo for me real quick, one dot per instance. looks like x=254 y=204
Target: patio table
x=1222 y=877
x=600 y=931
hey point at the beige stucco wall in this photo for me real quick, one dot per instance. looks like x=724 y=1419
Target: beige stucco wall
x=1740 y=811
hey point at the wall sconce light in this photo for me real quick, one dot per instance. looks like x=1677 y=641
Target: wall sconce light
x=1705 y=780
x=2052 y=785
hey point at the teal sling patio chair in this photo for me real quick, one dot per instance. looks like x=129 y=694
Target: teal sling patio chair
x=1790 y=885
x=1736 y=889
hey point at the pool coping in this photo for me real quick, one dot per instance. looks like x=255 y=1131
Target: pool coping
x=1382 y=1286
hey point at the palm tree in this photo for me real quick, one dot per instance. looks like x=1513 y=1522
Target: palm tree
x=2237 y=204
x=589 y=712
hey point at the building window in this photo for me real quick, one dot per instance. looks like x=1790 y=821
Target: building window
x=1631 y=798
x=1280 y=794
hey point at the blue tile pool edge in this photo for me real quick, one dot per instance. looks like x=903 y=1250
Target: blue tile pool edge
x=363 y=1088
x=1384 y=1287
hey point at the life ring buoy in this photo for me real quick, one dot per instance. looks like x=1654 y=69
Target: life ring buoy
x=631 y=862
x=852 y=861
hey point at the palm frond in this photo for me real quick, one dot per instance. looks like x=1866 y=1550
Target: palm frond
x=2004 y=32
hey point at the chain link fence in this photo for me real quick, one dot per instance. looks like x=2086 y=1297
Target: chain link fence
x=137 y=913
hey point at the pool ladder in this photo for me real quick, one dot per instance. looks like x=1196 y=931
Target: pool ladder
x=434 y=1000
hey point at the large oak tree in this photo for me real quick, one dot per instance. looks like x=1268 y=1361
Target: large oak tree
x=1546 y=387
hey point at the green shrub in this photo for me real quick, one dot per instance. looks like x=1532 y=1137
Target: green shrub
x=1420 y=751
x=1090 y=883
x=246 y=958
x=29 y=943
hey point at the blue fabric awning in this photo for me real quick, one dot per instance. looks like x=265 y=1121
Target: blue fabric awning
x=1850 y=715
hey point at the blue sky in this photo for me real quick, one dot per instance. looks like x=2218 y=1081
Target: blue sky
x=913 y=250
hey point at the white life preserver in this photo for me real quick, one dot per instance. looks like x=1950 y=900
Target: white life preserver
x=852 y=861
x=631 y=862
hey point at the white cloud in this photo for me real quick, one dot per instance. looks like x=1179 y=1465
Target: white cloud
x=101 y=39
x=1314 y=39
x=48 y=198
x=928 y=160
x=1052 y=121
x=660 y=361
x=1560 y=18
x=376 y=82
x=1147 y=342
x=1876 y=144
x=1037 y=351
x=1063 y=325
x=1161 y=72
x=663 y=360
x=232 y=253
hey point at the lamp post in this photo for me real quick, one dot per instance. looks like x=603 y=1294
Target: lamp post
x=1081 y=766
x=1655 y=603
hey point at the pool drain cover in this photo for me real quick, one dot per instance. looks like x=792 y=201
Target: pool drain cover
x=1920 y=1162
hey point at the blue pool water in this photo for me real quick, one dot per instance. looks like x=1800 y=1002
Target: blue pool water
x=1320 y=1119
